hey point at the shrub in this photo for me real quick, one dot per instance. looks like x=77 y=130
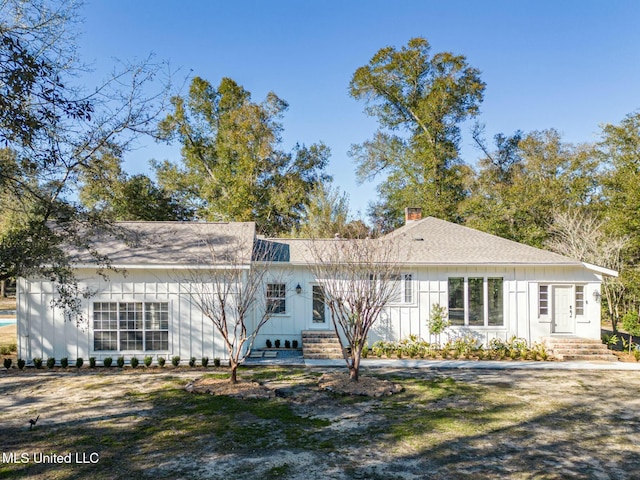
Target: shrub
x=287 y=344
x=51 y=362
x=79 y=362
x=175 y=361
x=21 y=363
x=134 y=362
x=438 y=320
x=64 y=362
x=365 y=351
x=37 y=362
x=268 y=343
x=92 y=362
x=107 y=362
x=148 y=360
x=8 y=349
x=7 y=363
x=205 y=361
x=636 y=354
x=295 y=343
x=120 y=362
x=277 y=343
x=161 y=361
x=192 y=362
x=216 y=362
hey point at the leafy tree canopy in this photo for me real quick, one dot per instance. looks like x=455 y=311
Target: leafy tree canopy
x=420 y=101
x=232 y=168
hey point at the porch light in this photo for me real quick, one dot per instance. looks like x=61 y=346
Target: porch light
x=298 y=289
x=596 y=295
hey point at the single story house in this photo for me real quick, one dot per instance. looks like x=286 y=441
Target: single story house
x=491 y=287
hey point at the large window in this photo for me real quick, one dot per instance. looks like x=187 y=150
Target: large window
x=476 y=301
x=276 y=297
x=131 y=326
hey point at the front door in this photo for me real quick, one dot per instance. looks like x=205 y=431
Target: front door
x=563 y=318
x=319 y=310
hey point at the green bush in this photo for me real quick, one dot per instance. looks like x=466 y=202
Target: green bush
x=92 y=362
x=107 y=362
x=21 y=363
x=8 y=349
x=277 y=343
x=294 y=343
x=37 y=362
x=79 y=362
x=205 y=361
x=192 y=362
x=287 y=344
x=51 y=362
x=216 y=362
x=175 y=361
x=64 y=362
x=161 y=361
x=268 y=343
x=7 y=363
x=134 y=362
x=148 y=360
x=120 y=362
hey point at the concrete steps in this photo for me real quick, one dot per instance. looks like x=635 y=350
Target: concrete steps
x=570 y=349
x=320 y=344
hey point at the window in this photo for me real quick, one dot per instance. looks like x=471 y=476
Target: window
x=579 y=300
x=476 y=301
x=496 y=301
x=456 y=301
x=140 y=326
x=276 y=297
x=543 y=300
x=403 y=288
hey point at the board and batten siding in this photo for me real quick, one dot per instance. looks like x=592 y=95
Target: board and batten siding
x=43 y=332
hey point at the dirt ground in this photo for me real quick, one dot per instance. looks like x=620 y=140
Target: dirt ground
x=445 y=424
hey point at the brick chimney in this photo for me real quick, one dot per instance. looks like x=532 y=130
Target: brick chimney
x=412 y=214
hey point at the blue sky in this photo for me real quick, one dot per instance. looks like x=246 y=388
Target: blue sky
x=570 y=65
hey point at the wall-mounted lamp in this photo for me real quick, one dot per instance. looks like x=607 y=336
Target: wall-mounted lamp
x=298 y=289
x=596 y=295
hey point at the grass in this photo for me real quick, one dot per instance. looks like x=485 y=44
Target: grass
x=452 y=425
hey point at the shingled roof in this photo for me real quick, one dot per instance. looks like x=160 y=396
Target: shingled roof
x=435 y=241
x=171 y=244
x=429 y=241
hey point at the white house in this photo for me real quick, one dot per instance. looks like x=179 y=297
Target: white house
x=491 y=287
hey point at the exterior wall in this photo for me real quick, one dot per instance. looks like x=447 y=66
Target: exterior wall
x=43 y=332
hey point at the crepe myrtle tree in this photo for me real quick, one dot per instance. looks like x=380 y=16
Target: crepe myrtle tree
x=229 y=288
x=359 y=278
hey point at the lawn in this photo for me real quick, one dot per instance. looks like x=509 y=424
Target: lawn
x=445 y=424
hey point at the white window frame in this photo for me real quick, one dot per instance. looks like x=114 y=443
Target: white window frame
x=146 y=329
x=485 y=300
x=281 y=298
x=406 y=289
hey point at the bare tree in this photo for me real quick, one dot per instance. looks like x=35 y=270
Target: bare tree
x=582 y=236
x=359 y=278
x=230 y=286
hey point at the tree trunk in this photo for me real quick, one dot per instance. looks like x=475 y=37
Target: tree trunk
x=234 y=372
x=354 y=368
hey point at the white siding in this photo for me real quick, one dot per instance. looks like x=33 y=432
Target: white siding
x=43 y=332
